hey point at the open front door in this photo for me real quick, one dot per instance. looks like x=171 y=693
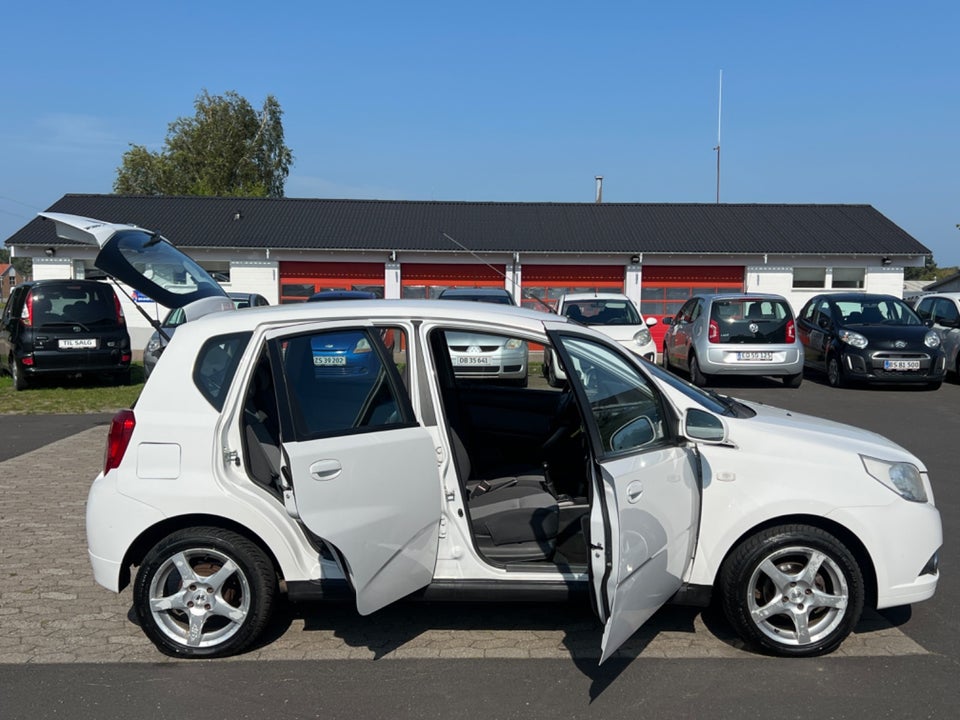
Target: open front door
x=646 y=489
x=363 y=471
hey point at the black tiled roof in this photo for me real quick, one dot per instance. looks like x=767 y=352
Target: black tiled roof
x=209 y=222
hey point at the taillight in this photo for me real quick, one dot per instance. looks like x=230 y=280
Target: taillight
x=791 y=331
x=121 y=428
x=118 y=309
x=713 y=334
x=27 y=313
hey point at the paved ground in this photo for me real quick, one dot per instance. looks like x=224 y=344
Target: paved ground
x=51 y=611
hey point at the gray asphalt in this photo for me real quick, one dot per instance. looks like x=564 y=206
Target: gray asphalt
x=68 y=648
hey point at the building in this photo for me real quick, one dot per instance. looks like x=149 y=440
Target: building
x=8 y=278
x=657 y=253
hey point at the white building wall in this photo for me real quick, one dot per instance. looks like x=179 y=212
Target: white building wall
x=887 y=280
x=255 y=276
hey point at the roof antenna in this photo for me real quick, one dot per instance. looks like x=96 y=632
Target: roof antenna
x=717 y=148
x=524 y=293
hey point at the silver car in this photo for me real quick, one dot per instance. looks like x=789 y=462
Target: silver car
x=942 y=311
x=742 y=334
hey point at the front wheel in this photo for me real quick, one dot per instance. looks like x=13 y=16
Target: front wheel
x=204 y=592
x=794 y=591
x=793 y=381
x=835 y=376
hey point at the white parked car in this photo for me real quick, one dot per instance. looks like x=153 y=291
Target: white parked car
x=613 y=314
x=247 y=468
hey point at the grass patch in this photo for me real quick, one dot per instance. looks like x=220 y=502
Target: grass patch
x=74 y=396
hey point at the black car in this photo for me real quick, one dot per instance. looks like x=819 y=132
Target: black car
x=63 y=327
x=869 y=338
x=499 y=296
x=325 y=295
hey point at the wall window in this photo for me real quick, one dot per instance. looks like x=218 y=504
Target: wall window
x=850 y=278
x=809 y=277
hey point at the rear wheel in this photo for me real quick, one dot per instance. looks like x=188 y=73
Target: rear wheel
x=697 y=377
x=204 y=592
x=20 y=381
x=793 y=590
x=793 y=381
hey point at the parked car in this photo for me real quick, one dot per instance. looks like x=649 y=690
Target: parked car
x=872 y=338
x=942 y=310
x=177 y=316
x=734 y=334
x=63 y=327
x=326 y=295
x=241 y=474
x=613 y=314
x=479 y=356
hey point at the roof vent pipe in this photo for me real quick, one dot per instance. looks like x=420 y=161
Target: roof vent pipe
x=599 y=189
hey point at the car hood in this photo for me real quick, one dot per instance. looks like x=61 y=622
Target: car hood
x=884 y=336
x=837 y=436
x=147 y=262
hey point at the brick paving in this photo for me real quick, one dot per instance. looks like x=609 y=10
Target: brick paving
x=51 y=611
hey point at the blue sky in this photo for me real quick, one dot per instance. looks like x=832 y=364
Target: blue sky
x=823 y=102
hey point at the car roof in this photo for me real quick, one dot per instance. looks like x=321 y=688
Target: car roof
x=858 y=296
x=594 y=296
x=740 y=296
x=950 y=295
x=474 y=292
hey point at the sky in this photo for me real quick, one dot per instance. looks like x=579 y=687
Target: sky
x=519 y=101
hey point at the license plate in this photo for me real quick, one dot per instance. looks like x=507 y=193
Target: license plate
x=329 y=360
x=77 y=343
x=756 y=355
x=472 y=361
x=901 y=364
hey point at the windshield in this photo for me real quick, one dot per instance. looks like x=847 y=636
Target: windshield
x=600 y=311
x=873 y=311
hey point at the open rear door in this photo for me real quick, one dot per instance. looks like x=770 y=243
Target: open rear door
x=645 y=509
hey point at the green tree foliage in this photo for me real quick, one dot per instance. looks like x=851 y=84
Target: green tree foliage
x=227 y=148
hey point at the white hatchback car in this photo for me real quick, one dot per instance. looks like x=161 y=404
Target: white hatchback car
x=613 y=314
x=247 y=468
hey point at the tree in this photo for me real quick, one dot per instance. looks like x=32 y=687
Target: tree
x=226 y=148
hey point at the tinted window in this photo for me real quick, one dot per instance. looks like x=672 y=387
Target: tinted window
x=88 y=304
x=751 y=320
x=877 y=311
x=338 y=382
x=602 y=312
x=216 y=365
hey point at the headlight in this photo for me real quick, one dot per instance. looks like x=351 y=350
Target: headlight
x=901 y=477
x=153 y=346
x=853 y=338
x=931 y=339
x=514 y=344
x=642 y=337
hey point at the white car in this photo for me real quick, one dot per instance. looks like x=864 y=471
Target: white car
x=247 y=469
x=613 y=314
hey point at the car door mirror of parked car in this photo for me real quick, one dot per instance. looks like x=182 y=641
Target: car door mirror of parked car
x=666 y=321
x=703 y=426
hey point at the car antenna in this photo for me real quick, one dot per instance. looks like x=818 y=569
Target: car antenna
x=523 y=293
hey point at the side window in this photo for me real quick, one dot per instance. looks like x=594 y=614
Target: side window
x=945 y=311
x=338 y=381
x=216 y=365
x=686 y=311
x=696 y=307
x=924 y=308
x=824 y=315
x=626 y=410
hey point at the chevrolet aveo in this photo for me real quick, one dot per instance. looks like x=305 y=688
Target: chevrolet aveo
x=247 y=469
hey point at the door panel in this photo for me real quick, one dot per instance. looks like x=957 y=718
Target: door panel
x=646 y=495
x=363 y=471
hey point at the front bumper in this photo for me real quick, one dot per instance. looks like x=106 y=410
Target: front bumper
x=875 y=366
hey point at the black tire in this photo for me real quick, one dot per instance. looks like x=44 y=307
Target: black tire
x=828 y=604
x=123 y=377
x=20 y=381
x=667 y=365
x=247 y=593
x=697 y=377
x=835 y=376
x=934 y=384
x=793 y=381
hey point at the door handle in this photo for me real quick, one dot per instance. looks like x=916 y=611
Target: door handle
x=326 y=469
x=634 y=491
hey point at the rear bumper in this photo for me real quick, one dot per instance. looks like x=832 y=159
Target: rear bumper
x=726 y=361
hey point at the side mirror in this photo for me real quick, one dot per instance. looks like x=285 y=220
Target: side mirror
x=666 y=321
x=703 y=426
x=651 y=321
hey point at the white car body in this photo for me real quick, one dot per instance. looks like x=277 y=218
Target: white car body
x=634 y=337
x=676 y=493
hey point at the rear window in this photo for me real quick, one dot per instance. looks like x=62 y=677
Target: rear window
x=602 y=312
x=751 y=320
x=90 y=304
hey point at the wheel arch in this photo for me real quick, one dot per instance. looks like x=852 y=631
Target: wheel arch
x=839 y=531
x=155 y=533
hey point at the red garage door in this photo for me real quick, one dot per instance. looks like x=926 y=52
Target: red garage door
x=549 y=282
x=428 y=280
x=665 y=288
x=300 y=280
